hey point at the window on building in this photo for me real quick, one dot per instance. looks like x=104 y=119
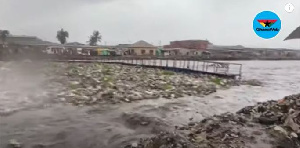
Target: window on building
x=131 y=52
x=143 y=51
x=151 y=52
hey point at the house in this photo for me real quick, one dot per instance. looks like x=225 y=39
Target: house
x=216 y=47
x=186 y=47
x=81 y=49
x=55 y=50
x=180 y=51
x=105 y=52
x=189 y=44
x=141 y=48
x=27 y=41
x=170 y=51
x=26 y=44
x=122 y=49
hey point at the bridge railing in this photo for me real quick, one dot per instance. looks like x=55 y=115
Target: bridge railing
x=223 y=68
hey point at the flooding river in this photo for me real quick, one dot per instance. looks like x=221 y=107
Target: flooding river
x=29 y=115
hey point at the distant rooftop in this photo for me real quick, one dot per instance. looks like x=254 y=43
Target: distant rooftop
x=142 y=44
x=191 y=41
x=225 y=47
x=27 y=40
x=74 y=43
x=123 y=45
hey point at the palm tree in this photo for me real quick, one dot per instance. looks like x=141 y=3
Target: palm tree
x=62 y=36
x=95 y=38
x=3 y=35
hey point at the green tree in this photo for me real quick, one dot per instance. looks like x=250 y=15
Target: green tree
x=3 y=35
x=95 y=38
x=62 y=36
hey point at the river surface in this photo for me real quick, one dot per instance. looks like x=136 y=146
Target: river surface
x=29 y=114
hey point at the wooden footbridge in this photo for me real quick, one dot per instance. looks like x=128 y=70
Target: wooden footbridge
x=221 y=69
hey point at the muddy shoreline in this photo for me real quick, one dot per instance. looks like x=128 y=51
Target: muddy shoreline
x=271 y=124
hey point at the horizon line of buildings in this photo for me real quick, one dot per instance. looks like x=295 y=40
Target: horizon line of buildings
x=140 y=48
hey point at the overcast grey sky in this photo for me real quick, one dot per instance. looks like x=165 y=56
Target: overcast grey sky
x=126 y=21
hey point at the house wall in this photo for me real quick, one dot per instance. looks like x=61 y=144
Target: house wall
x=121 y=51
x=144 y=51
x=181 y=51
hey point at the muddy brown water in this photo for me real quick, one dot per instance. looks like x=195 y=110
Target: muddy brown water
x=29 y=114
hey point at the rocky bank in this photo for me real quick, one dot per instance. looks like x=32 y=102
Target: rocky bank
x=272 y=124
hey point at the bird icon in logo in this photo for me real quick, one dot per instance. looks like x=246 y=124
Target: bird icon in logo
x=267 y=23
